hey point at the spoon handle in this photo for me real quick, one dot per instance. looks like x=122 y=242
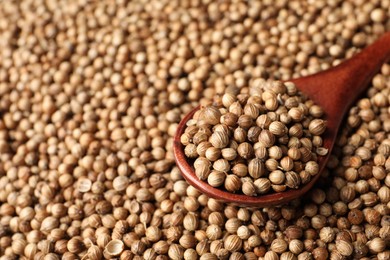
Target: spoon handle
x=337 y=88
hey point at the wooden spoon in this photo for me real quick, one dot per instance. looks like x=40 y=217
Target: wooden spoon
x=335 y=90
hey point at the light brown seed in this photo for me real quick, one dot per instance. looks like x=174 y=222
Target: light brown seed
x=248 y=188
x=277 y=128
x=263 y=185
x=210 y=115
x=279 y=246
x=317 y=127
x=345 y=248
x=233 y=243
x=219 y=139
x=256 y=168
x=277 y=177
x=216 y=178
x=232 y=183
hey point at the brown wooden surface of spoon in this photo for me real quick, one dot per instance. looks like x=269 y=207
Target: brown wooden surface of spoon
x=335 y=90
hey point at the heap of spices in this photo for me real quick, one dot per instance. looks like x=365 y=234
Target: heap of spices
x=266 y=135
x=91 y=94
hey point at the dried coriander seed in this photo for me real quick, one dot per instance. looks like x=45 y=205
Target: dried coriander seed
x=210 y=115
x=233 y=243
x=262 y=185
x=216 y=178
x=256 y=168
x=248 y=188
x=317 y=127
x=219 y=139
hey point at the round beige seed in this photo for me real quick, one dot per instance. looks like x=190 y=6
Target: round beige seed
x=293 y=180
x=266 y=138
x=286 y=163
x=276 y=177
x=213 y=154
x=216 y=178
x=202 y=168
x=84 y=185
x=248 y=188
x=221 y=165
x=219 y=139
x=256 y=168
x=263 y=185
x=278 y=128
x=210 y=115
x=245 y=150
x=317 y=127
x=233 y=243
x=279 y=246
x=345 y=248
x=232 y=183
x=229 y=154
x=312 y=168
x=120 y=183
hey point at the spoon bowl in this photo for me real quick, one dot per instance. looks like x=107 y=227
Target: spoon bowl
x=334 y=90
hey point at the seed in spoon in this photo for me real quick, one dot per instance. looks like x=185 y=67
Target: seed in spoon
x=258 y=143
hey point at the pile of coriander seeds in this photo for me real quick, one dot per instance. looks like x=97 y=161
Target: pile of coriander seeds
x=257 y=139
x=91 y=93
